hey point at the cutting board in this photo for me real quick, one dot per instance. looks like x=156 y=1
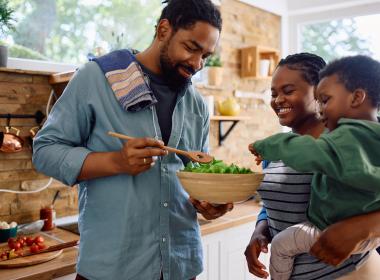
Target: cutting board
x=30 y=260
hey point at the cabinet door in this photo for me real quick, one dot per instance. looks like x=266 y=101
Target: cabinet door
x=224 y=254
x=211 y=257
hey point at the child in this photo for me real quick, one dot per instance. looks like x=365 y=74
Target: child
x=345 y=161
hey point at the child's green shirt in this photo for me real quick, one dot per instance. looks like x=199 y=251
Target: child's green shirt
x=346 y=166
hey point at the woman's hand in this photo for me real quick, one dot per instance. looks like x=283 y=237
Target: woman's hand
x=258 y=157
x=210 y=211
x=259 y=243
x=338 y=242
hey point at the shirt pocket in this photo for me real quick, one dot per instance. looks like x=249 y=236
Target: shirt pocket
x=192 y=133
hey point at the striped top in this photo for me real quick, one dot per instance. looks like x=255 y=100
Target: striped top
x=285 y=193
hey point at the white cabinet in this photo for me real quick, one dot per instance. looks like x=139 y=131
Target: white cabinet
x=224 y=254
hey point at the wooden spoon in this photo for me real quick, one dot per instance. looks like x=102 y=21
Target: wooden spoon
x=193 y=155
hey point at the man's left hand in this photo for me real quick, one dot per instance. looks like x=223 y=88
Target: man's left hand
x=211 y=211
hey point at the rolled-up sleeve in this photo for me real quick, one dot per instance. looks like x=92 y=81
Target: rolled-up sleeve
x=59 y=148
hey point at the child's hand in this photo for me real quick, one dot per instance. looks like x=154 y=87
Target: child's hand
x=258 y=158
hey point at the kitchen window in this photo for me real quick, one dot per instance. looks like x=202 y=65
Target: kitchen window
x=69 y=31
x=342 y=37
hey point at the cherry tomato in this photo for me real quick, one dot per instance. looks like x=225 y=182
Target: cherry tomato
x=34 y=248
x=11 y=241
x=39 y=239
x=17 y=246
x=21 y=241
x=14 y=245
x=41 y=246
x=29 y=241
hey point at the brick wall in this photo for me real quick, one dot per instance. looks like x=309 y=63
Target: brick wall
x=244 y=25
x=25 y=93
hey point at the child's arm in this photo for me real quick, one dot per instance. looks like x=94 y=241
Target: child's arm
x=303 y=153
x=331 y=154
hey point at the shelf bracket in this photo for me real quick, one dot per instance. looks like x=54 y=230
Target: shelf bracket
x=223 y=136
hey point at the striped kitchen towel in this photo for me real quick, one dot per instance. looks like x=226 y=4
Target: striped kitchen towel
x=127 y=80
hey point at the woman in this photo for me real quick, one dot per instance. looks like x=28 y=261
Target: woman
x=285 y=192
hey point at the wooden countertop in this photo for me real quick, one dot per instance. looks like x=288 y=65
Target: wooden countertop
x=241 y=214
x=65 y=263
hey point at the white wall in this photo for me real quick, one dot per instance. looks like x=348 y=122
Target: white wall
x=278 y=7
x=312 y=6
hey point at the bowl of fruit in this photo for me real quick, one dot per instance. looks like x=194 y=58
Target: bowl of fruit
x=7 y=230
x=218 y=182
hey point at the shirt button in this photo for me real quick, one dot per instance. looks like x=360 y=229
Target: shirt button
x=163 y=239
x=166 y=204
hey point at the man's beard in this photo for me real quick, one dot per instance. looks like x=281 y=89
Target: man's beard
x=170 y=71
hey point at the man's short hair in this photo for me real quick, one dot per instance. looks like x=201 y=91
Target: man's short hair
x=185 y=13
x=357 y=72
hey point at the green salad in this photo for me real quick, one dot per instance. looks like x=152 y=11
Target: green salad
x=216 y=166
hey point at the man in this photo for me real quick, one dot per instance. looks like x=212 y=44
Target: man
x=135 y=219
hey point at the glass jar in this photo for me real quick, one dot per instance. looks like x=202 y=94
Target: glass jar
x=48 y=215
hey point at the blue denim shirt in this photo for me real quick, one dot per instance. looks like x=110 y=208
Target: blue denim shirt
x=132 y=227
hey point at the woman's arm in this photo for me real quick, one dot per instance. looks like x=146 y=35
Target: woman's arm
x=339 y=240
x=258 y=243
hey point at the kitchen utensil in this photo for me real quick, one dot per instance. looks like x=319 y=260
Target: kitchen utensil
x=55 y=197
x=193 y=155
x=30 y=228
x=220 y=188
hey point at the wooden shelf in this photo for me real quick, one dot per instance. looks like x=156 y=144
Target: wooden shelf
x=221 y=119
x=229 y=118
x=250 y=60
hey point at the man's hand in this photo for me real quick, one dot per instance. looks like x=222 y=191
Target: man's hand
x=252 y=149
x=139 y=154
x=209 y=211
x=337 y=243
x=136 y=156
x=259 y=243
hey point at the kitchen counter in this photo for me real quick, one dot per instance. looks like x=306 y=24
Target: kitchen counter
x=65 y=263
x=241 y=214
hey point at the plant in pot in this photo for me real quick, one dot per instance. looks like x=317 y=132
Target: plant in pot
x=6 y=19
x=214 y=70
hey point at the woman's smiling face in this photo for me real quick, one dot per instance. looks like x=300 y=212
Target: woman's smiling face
x=292 y=97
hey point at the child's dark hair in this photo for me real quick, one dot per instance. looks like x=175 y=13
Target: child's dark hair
x=357 y=72
x=185 y=13
x=307 y=63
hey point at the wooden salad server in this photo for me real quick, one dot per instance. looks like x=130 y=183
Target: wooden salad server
x=192 y=155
